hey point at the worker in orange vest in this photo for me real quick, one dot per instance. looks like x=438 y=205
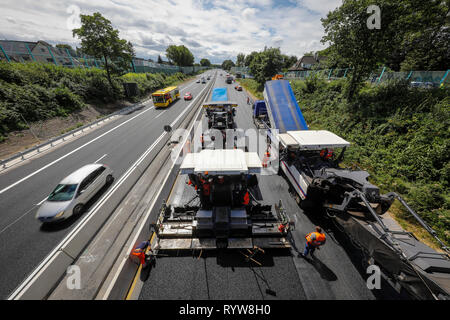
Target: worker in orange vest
x=206 y=186
x=326 y=154
x=246 y=199
x=313 y=241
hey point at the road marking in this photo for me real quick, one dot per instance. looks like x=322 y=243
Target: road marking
x=15 y=221
x=41 y=202
x=68 y=154
x=19 y=291
x=188 y=86
x=101 y=158
x=160 y=114
x=38 y=204
x=29 y=176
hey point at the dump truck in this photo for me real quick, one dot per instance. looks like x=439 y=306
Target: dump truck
x=260 y=116
x=219 y=110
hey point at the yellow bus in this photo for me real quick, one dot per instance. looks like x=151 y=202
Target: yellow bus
x=164 y=97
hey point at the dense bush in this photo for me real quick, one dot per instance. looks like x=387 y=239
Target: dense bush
x=252 y=86
x=399 y=134
x=40 y=91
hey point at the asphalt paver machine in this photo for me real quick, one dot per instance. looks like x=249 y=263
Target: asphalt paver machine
x=309 y=162
x=213 y=206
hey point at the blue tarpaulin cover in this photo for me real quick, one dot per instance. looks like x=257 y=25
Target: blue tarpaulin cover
x=219 y=94
x=260 y=108
x=284 y=112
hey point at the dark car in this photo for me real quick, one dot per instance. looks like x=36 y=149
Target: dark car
x=238 y=88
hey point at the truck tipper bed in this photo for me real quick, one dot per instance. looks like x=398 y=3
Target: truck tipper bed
x=282 y=107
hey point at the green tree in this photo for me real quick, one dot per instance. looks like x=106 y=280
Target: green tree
x=266 y=64
x=425 y=43
x=227 y=65
x=64 y=46
x=412 y=34
x=288 y=61
x=240 y=60
x=362 y=48
x=180 y=55
x=205 y=62
x=100 y=40
x=249 y=58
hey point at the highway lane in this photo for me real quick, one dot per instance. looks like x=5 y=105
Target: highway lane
x=227 y=276
x=24 y=242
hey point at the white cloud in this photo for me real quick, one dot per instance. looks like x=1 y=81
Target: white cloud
x=321 y=6
x=248 y=12
x=214 y=29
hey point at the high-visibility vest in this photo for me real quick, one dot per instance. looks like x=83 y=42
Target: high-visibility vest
x=281 y=228
x=315 y=238
x=326 y=153
x=140 y=250
x=246 y=200
x=206 y=187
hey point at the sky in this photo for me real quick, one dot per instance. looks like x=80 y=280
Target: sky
x=212 y=29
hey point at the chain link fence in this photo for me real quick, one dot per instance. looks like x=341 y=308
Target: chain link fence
x=42 y=52
x=418 y=78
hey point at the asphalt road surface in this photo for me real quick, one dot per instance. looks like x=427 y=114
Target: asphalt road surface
x=283 y=274
x=24 y=241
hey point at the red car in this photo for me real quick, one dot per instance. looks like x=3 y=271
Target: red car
x=188 y=96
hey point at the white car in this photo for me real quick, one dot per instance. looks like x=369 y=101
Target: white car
x=73 y=192
x=198 y=81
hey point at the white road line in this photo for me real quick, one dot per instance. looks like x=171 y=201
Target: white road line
x=188 y=86
x=18 y=292
x=160 y=114
x=68 y=154
x=15 y=221
x=101 y=158
x=38 y=204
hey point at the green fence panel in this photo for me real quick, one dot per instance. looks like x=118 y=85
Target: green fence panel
x=4 y=53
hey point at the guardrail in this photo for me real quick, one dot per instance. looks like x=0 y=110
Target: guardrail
x=50 y=142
